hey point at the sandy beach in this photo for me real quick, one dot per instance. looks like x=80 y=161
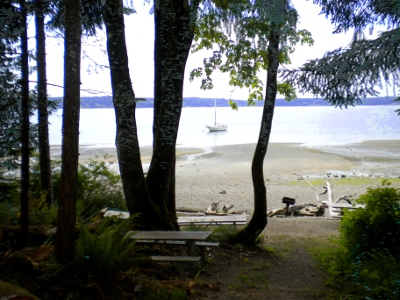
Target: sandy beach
x=223 y=173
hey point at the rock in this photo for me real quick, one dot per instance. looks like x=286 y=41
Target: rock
x=223 y=192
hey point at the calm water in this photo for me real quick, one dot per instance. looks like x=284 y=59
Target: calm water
x=308 y=125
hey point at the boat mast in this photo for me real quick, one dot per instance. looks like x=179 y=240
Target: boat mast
x=215 y=111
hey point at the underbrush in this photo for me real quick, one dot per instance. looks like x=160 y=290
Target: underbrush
x=98 y=188
x=108 y=265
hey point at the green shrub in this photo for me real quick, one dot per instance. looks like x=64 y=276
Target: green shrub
x=98 y=187
x=366 y=265
x=375 y=228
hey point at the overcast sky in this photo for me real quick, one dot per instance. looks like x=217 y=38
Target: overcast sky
x=140 y=36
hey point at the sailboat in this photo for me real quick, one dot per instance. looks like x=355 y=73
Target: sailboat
x=216 y=126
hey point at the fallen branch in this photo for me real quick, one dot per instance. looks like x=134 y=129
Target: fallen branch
x=345 y=198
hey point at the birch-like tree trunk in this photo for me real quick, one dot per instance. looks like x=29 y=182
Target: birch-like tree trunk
x=134 y=184
x=174 y=31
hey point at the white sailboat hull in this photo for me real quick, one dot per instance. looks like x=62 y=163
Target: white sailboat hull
x=217 y=127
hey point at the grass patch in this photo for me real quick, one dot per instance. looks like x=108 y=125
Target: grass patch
x=243 y=280
x=261 y=267
x=223 y=233
x=321 y=249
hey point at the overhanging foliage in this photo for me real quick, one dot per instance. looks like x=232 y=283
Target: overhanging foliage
x=347 y=75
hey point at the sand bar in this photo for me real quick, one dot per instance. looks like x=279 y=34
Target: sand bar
x=223 y=173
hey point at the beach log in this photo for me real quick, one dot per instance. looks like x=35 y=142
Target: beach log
x=278 y=211
x=309 y=209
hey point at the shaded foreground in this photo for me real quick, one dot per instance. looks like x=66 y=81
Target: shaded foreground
x=279 y=268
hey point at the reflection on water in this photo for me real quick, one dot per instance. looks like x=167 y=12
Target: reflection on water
x=216 y=138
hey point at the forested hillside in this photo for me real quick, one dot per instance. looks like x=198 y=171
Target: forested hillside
x=106 y=102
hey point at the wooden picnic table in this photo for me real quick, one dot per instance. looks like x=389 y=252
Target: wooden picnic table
x=189 y=237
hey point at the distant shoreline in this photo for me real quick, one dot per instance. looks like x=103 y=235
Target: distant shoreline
x=106 y=102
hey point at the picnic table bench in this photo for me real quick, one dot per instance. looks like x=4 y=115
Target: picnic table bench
x=212 y=219
x=337 y=208
x=191 y=239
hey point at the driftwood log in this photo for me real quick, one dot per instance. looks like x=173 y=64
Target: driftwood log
x=309 y=210
x=312 y=209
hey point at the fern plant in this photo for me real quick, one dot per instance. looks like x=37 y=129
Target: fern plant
x=106 y=250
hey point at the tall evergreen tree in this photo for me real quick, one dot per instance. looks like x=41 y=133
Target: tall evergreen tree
x=64 y=248
x=25 y=125
x=42 y=102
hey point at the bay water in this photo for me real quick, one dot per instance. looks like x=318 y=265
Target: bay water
x=310 y=125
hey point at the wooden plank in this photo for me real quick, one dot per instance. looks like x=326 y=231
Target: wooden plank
x=174 y=242
x=207 y=244
x=176 y=258
x=172 y=235
x=198 y=220
x=169 y=242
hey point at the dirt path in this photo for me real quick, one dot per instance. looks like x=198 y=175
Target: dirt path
x=285 y=271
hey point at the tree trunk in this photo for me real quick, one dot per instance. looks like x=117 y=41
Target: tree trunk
x=130 y=165
x=258 y=221
x=70 y=144
x=25 y=127
x=43 y=115
x=174 y=31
